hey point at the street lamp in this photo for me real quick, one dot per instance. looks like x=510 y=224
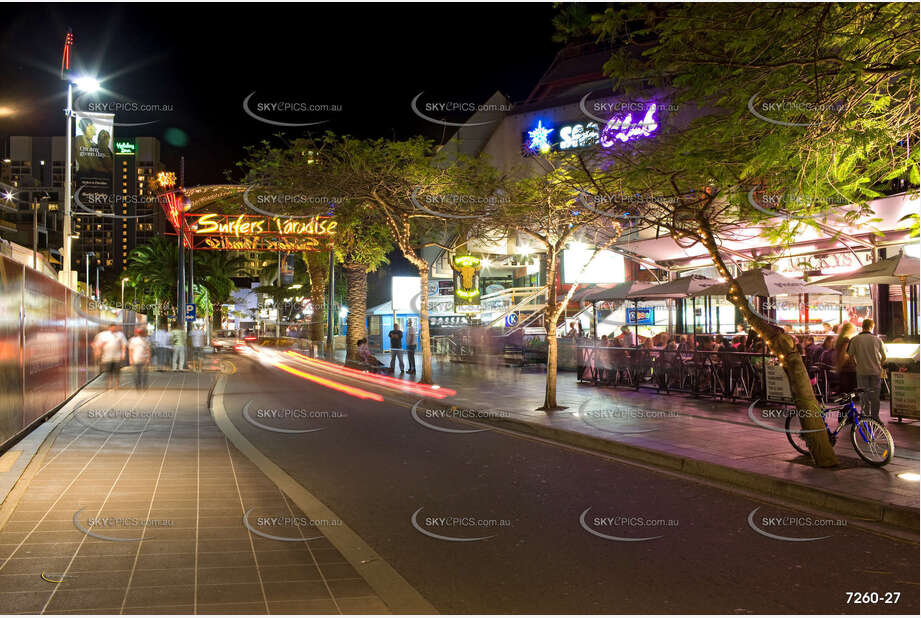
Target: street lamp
x=86 y=84
x=124 y=279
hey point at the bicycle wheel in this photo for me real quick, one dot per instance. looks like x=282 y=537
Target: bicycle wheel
x=872 y=441
x=793 y=429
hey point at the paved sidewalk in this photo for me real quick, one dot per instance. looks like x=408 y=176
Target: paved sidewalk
x=141 y=505
x=718 y=439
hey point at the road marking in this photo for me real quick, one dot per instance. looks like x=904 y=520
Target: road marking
x=397 y=593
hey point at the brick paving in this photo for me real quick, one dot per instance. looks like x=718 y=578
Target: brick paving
x=138 y=507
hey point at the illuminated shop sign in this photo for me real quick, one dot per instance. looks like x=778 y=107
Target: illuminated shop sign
x=125 y=147
x=466 y=282
x=641 y=316
x=619 y=129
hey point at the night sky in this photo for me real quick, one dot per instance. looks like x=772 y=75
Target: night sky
x=203 y=61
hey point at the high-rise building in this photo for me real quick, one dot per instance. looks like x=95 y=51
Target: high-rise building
x=34 y=171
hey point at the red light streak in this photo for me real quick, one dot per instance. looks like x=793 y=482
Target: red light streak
x=423 y=389
x=342 y=388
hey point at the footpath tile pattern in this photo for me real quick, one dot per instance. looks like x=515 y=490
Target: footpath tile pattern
x=141 y=506
x=719 y=432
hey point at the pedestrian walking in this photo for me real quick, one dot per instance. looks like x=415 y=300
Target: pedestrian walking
x=177 y=339
x=197 y=339
x=161 y=348
x=109 y=347
x=869 y=356
x=396 y=347
x=411 y=346
x=139 y=357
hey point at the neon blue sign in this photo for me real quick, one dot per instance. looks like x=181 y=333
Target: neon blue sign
x=540 y=138
x=580 y=135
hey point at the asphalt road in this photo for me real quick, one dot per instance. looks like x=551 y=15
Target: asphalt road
x=375 y=466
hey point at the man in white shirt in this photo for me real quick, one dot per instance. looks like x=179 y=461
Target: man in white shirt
x=139 y=357
x=411 y=346
x=161 y=348
x=109 y=347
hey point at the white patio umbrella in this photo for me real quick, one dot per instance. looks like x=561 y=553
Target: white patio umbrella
x=679 y=288
x=620 y=291
x=902 y=270
x=891 y=271
x=764 y=282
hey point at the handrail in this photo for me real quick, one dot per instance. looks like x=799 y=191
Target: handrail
x=510 y=292
x=526 y=300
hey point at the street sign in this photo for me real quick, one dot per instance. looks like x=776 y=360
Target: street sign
x=190 y=313
x=511 y=319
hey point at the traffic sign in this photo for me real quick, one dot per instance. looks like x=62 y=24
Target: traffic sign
x=190 y=313
x=511 y=319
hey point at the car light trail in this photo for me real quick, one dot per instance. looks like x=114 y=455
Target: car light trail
x=434 y=391
x=342 y=388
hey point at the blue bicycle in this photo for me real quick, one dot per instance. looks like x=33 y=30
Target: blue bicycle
x=869 y=436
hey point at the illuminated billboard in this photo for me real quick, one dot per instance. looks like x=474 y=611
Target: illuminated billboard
x=607 y=267
x=405 y=292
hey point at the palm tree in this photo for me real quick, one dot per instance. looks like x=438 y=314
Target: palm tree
x=153 y=268
x=215 y=270
x=362 y=243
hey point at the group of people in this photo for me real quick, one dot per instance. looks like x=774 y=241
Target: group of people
x=855 y=358
x=369 y=361
x=167 y=349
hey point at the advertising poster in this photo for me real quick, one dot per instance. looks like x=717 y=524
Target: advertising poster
x=93 y=155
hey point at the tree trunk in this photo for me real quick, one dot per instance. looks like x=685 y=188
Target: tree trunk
x=423 y=269
x=356 y=279
x=551 y=315
x=782 y=345
x=550 y=387
x=318 y=270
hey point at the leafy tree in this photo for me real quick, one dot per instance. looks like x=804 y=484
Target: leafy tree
x=386 y=175
x=814 y=105
x=547 y=210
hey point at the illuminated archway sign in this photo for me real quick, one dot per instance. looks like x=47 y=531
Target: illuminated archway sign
x=260 y=233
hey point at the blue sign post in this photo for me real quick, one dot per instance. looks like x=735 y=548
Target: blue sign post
x=190 y=313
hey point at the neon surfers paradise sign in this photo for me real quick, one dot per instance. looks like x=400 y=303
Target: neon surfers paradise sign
x=619 y=129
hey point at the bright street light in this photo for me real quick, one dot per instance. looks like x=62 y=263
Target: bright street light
x=87 y=83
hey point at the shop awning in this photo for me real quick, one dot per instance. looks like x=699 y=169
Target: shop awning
x=764 y=282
